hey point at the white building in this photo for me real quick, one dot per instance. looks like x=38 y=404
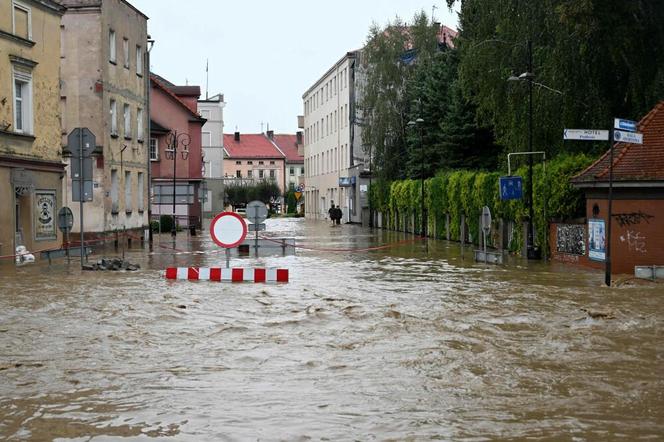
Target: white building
x=212 y=109
x=333 y=156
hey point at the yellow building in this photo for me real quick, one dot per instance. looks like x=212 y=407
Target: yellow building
x=31 y=166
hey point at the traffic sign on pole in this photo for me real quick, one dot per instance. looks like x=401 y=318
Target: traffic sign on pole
x=511 y=188
x=627 y=137
x=585 y=134
x=228 y=230
x=628 y=125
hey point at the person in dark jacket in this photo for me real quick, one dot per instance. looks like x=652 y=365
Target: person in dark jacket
x=338 y=214
x=332 y=214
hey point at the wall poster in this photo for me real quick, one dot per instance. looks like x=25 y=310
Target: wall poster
x=596 y=240
x=45 y=214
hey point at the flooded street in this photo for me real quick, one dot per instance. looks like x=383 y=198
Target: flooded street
x=394 y=344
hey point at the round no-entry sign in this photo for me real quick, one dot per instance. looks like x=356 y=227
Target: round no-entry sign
x=228 y=230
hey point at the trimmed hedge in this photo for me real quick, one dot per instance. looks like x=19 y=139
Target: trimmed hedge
x=466 y=192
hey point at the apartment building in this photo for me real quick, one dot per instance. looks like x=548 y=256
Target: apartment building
x=104 y=88
x=31 y=167
x=212 y=109
x=332 y=143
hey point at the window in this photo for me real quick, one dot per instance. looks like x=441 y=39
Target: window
x=272 y=163
x=260 y=163
x=261 y=174
x=125 y=52
x=114 y=191
x=238 y=162
x=140 y=191
x=163 y=194
x=206 y=139
x=238 y=173
x=250 y=173
x=302 y=171
x=154 y=149
x=292 y=171
x=22 y=102
x=139 y=124
x=139 y=60
x=114 y=119
x=127 y=183
x=272 y=174
x=22 y=21
x=250 y=162
x=111 y=46
x=127 y=122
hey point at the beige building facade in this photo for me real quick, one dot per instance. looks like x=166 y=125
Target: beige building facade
x=327 y=140
x=31 y=167
x=104 y=88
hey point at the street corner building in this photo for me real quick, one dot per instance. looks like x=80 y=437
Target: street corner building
x=104 y=88
x=176 y=151
x=637 y=214
x=31 y=167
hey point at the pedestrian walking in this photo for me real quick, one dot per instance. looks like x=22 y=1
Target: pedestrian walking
x=332 y=213
x=339 y=214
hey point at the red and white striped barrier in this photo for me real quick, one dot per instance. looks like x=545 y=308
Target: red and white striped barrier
x=227 y=275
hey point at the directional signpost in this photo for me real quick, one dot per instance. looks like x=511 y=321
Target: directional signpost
x=628 y=125
x=620 y=136
x=585 y=134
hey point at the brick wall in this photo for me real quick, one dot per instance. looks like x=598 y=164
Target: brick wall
x=637 y=235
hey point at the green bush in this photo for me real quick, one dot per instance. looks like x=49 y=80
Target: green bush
x=166 y=222
x=466 y=192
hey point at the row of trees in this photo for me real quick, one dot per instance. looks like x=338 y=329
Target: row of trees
x=594 y=60
x=238 y=195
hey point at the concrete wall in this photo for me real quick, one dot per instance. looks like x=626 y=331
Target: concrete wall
x=91 y=81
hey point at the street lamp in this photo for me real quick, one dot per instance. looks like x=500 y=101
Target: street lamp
x=412 y=124
x=175 y=141
x=528 y=76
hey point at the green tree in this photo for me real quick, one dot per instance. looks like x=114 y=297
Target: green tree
x=605 y=56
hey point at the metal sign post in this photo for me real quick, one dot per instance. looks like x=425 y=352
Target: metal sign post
x=81 y=143
x=65 y=223
x=256 y=213
x=486 y=226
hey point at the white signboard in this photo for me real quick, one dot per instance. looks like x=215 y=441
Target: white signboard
x=627 y=137
x=45 y=214
x=586 y=134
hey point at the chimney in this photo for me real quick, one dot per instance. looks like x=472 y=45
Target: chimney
x=237 y=137
x=270 y=134
x=300 y=143
x=299 y=137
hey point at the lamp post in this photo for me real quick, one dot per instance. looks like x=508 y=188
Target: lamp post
x=531 y=252
x=176 y=141
x=412 y=124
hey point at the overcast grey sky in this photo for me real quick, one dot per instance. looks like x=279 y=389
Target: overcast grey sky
x=264 y=54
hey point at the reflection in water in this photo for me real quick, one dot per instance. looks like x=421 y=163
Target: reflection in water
x=393 y=343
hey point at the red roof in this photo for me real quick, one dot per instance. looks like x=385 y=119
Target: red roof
x=288 y=145
x=157 y=81
x=250 y=146
x=633 y=162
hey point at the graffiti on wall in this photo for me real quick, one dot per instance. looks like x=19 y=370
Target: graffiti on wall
x=570 y=239
x=636 y=242
x=632 y=219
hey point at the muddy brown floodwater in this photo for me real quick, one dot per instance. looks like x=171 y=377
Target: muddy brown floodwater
x=394 y=344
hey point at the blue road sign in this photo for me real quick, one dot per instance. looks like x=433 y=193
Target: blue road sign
x=628 y=125
x=511 y=188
